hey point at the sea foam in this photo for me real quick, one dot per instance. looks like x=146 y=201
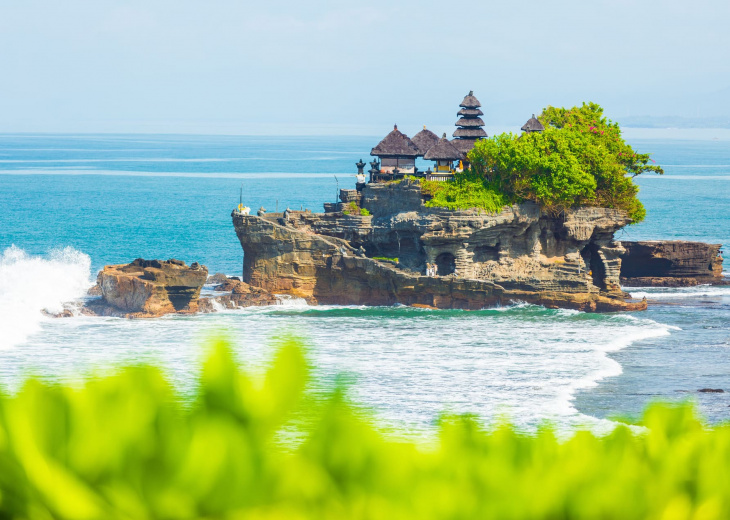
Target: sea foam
x=672 y=293
x=31 y=284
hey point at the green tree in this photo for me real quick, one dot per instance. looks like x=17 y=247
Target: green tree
x=579 y=159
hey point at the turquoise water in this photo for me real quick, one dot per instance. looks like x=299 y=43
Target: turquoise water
x=71 y=204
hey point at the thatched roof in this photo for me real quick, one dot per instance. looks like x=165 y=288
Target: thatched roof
x=397 y=144
x=444 y=151
x=424 y=140
x=470 y=101
x=532 y=125
x=470 y=122
x=473 y=133
x=463 y=145
x=470 y=112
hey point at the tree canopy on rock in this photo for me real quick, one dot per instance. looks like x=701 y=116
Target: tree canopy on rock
x=580 y=159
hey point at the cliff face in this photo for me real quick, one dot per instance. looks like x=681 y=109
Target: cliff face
x=521 y=254
x=670 y=263
x=149 y=288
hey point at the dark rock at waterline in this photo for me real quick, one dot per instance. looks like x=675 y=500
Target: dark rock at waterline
x=671 y=263
x=241 y=295
x=711 y=390
x=217 y=279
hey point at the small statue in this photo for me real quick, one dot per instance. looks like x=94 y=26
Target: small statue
x=261 y=212
x=360 y=165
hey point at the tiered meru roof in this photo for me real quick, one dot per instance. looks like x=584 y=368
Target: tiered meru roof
x=396 y=144
x=533 y=125
x=470 y=101
x=470 y=112
x=470 y=124
x=424 y=140
x=444 y=150
x=463 y=145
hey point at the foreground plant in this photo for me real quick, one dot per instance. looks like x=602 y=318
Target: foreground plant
x=123 y=447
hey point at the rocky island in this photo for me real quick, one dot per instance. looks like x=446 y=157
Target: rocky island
x=527 y=218
x=154 y=288
x=148 y=289
x=519 y=254
x=515 y=218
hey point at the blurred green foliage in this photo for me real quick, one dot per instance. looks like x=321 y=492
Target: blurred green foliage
x=123 y=447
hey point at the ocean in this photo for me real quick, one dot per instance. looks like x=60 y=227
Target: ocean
x=69 y=204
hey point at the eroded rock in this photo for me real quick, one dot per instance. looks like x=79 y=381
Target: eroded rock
x=217 y=278
x=671 y=263
x=149 y=288
x=521 y=254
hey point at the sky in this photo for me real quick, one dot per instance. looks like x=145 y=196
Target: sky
x=293 y=67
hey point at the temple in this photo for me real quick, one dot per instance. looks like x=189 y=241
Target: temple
x=383 y=243
x=424 y=140
x=469 y=125
x=444 y=153
x=396 y=154
x=532 y=125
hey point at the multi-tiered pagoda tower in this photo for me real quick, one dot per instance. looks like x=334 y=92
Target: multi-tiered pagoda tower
x=469 y=124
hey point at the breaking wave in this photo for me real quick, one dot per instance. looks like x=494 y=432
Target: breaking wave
x=672 y=293
x=31 y=284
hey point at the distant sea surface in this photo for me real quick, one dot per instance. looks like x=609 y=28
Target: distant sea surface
x=71 y=204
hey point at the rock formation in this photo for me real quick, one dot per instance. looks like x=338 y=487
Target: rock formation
x=239 y=295
x=671 y=264
x=520 y=254
x=149 y=288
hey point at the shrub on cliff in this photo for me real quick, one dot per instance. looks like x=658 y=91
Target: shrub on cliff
x=123 y=447
x=465 y=191
x=580 y=159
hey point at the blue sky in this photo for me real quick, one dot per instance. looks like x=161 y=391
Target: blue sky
x=297 y=67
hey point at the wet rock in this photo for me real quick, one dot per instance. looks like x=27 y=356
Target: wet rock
x=242 y=295
x=671 y=263
x=711 y=390
x=217 y=278
x=234 y=286
x=95 y=290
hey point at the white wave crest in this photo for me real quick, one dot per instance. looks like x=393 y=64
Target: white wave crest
x=287 y=300
x=671 y=293
x=31 y=284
